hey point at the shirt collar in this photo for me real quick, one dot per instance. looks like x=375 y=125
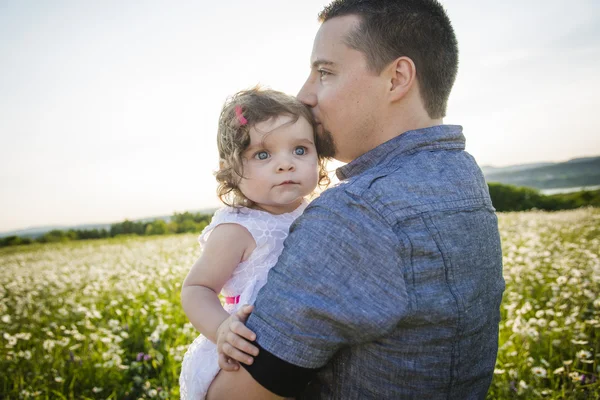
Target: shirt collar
x=439 y=137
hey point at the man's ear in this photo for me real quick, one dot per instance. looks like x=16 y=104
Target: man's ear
x=403 y=75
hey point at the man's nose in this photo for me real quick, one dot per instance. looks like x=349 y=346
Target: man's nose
x=307 y=95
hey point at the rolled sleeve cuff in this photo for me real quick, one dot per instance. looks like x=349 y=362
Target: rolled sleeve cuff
x=286 y=348
x=278 y=376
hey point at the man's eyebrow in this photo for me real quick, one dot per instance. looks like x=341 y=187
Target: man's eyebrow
x=318 y=62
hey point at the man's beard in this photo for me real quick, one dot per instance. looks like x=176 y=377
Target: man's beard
x=325 y=144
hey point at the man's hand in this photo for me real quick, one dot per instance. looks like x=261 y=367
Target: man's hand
x=233 y=340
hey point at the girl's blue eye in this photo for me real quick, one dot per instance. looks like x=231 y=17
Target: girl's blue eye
x=261 y=155
x=300 y=151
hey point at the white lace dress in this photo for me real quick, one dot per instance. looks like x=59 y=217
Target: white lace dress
x=200 y=363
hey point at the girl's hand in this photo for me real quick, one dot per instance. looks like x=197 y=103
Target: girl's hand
x=233 y=340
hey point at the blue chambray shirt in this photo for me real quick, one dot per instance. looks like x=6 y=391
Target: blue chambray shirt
x=392 y=280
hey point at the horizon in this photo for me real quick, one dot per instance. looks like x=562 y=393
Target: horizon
x=208 y=209
x=54 y=226
x=109 y=111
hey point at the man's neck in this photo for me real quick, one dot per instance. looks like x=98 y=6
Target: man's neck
x=403 y=120
x=392 y=130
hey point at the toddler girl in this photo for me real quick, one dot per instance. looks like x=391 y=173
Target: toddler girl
x=268 y=165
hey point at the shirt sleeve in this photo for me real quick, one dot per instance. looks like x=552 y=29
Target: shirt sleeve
x=338 y=282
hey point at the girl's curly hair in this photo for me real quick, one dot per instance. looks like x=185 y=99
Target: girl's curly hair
x=233 y=136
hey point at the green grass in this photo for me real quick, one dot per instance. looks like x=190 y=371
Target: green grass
x=101 y=319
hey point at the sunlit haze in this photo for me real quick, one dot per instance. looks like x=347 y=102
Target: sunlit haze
x=108 y=110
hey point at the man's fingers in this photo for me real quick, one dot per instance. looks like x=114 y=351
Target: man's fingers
x=236 y=355
x=227 y=364
x=241 y=344
x=241 y=329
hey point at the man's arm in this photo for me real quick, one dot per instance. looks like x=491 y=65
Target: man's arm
x=278 y=379
x=339 y=282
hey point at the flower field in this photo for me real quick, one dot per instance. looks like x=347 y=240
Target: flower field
x=101 y=319
x=550 y=332
x=94 y=319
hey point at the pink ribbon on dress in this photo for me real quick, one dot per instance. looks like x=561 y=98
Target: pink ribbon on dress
x=232 y=300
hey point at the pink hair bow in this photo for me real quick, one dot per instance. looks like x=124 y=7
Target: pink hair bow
x=240 y=116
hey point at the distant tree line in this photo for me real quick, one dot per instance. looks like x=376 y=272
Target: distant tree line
x=179 y=223
x=519 y=198
x=504 y=198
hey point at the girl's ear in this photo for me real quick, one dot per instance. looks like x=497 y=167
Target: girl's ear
x=402 y=75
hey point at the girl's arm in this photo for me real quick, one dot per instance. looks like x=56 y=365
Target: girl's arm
x=227 y=246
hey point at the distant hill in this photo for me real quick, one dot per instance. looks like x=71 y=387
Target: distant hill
x=487 y=169
x=37 y=231
x=573 y=173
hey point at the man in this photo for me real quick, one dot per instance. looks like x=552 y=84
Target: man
x=390 y=283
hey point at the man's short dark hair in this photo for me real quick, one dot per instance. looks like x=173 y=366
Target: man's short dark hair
x=417 y=29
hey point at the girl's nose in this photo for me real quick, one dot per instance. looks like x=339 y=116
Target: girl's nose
x=285 y=165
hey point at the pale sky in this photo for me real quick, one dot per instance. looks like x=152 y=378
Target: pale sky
x=108 y=110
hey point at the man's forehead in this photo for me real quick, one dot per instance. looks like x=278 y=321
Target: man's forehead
x=332 y=36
